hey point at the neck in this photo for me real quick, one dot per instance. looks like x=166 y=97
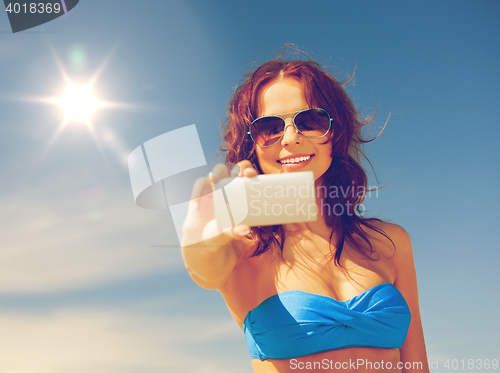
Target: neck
x=320 y=226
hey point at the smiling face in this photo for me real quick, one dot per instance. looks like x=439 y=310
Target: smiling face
x=287 y=96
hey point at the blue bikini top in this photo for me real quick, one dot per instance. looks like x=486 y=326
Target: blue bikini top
x=295 y=323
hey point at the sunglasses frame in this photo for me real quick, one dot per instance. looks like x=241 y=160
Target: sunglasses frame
x=293 y=121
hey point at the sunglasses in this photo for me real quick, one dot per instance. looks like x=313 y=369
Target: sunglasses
x=312 y=123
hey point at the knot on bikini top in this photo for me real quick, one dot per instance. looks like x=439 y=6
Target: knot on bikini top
x=296 y=323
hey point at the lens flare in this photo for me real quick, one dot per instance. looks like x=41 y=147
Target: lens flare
x=78 y=103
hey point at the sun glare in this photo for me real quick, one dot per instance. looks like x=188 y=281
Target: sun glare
x=78 y=104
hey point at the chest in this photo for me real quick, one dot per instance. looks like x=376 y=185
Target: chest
x=307 y=265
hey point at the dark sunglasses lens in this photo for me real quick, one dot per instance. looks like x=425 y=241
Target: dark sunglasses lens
x=313 y=122
x=266 y=131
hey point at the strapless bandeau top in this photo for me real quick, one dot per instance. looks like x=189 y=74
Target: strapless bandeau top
x=294 y=323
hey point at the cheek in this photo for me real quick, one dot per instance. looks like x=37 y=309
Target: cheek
x=326 y=155
x=260 y=157
x=266 y=160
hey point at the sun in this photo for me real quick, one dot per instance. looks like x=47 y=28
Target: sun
x=77 y=99
x=78 y=103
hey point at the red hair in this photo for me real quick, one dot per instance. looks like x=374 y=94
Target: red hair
x=324 y=91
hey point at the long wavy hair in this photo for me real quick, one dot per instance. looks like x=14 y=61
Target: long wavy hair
x=345 y=172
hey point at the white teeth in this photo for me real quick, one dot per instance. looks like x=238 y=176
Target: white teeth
x=296 y=160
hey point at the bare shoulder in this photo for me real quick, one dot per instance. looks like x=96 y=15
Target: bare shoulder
x=389 y=239
x=402 y=257
x=399 y=237
x=393 y=232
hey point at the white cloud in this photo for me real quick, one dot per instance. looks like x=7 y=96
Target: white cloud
x=76 y=231
x=76 y=341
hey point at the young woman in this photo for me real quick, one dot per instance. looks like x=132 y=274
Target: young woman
x=334 y=294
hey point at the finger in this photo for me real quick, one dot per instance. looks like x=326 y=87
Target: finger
x=219 y=172
x=235 y=172
x=249 y=172
x=201 y=187
x=244 y=168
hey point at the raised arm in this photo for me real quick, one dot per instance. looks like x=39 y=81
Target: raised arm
x=210 y=254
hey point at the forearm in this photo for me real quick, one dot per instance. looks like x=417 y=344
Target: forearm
x=209 y=264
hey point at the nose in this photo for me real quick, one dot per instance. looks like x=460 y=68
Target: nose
x=290 y=134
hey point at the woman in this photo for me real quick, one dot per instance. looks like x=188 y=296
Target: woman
x=332 y=294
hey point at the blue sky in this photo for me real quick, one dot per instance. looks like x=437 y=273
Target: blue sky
x=86 y=282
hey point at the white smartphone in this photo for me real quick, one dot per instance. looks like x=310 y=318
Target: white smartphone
x=269 y=199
